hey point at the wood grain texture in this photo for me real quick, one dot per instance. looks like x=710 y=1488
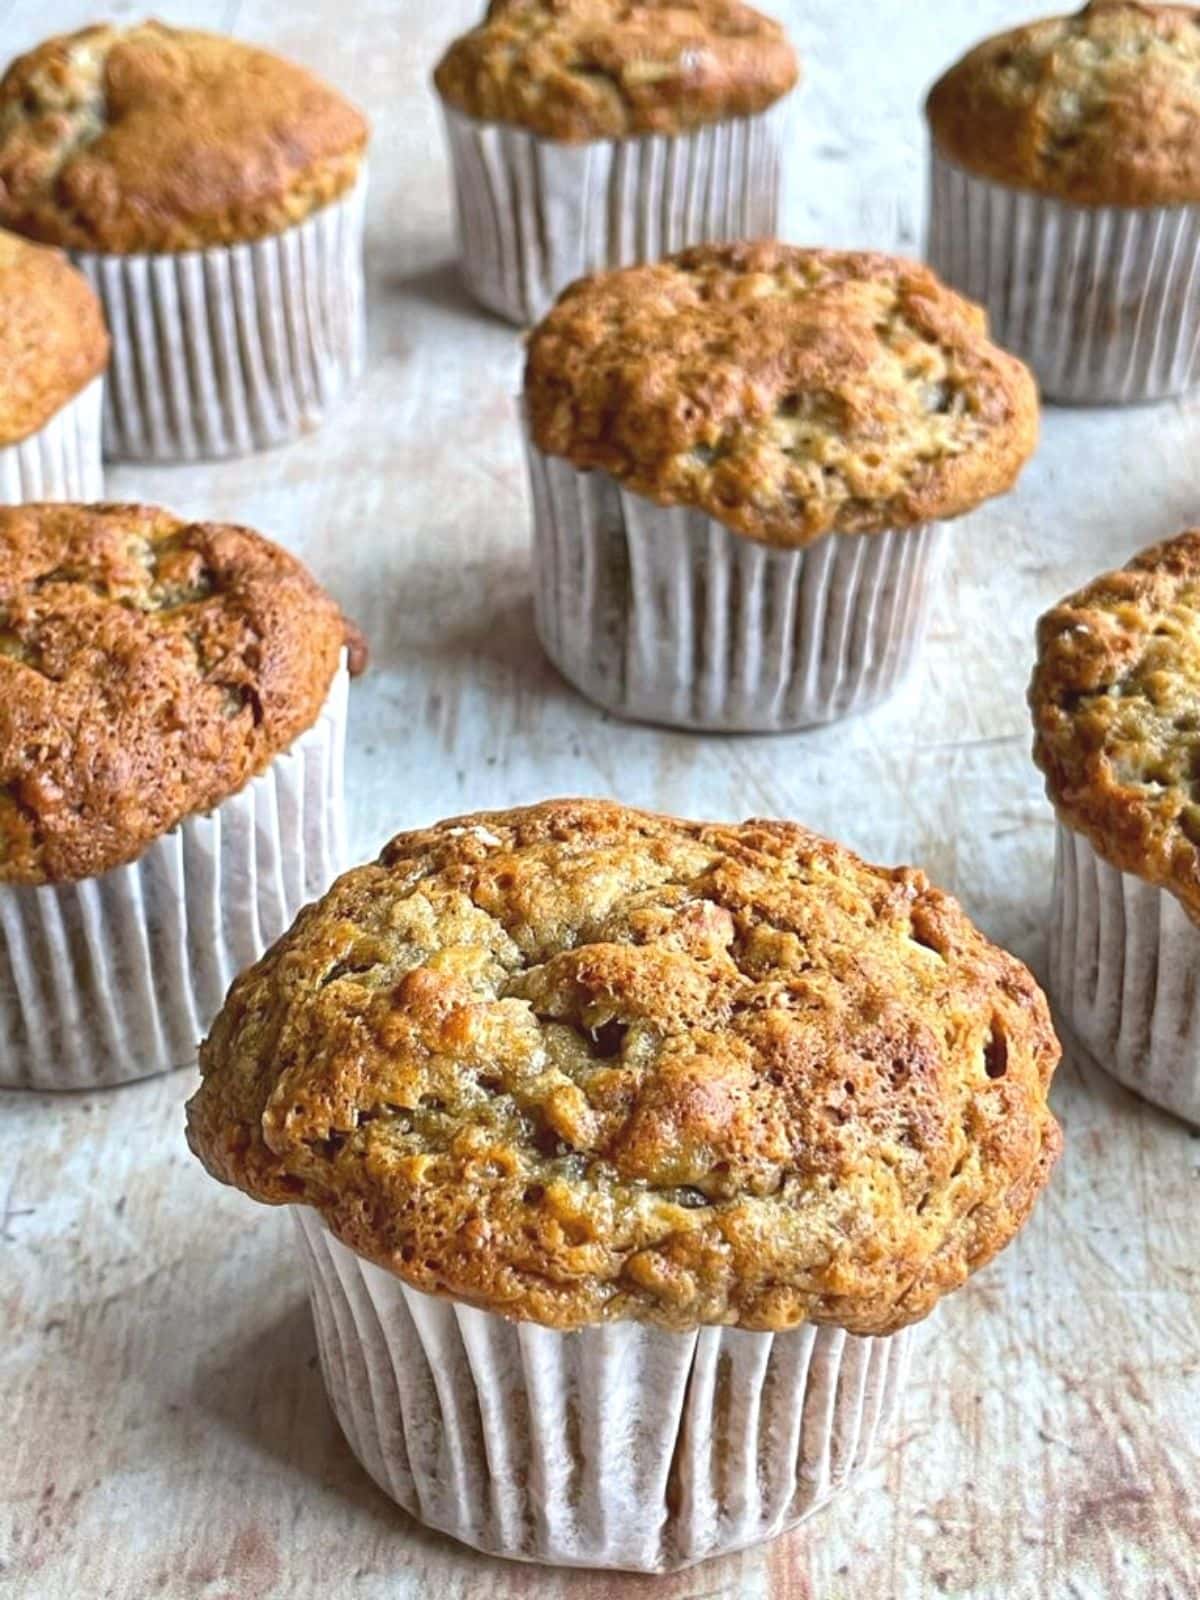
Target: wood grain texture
x=164 y=1428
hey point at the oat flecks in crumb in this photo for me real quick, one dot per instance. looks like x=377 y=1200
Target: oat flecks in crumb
x=576 y=1062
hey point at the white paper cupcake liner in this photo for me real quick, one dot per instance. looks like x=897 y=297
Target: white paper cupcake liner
x=663 y=615
x=224 y=351
x=620 y=1445
x=61 y=461
x=1124 y=955
x=535 y=214
x=118 y=977
x=1103 y=302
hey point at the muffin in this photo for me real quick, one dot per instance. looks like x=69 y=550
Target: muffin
x=1116 y=709
x=1066 y=196
x=214 y=196
x=172 y=717
x=53 y=350
x=742 y=459
x=590 y=134
x=625 y=1150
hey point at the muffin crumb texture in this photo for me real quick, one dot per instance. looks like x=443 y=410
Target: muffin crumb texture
x=1099 y=108
x=575 y=1063
x=53 y=341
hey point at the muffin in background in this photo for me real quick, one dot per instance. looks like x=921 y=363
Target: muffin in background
x=625 y=1150
x=214 y=196
x=53 y=351
x=1066 y=197
x=172 y=723
x=1116 y=709
x=586 y=135
x=742 y=461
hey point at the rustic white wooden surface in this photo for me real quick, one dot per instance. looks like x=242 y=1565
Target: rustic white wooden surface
x=163 y=1430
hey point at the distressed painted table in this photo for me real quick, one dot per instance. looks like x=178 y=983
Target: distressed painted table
x=163 y=1429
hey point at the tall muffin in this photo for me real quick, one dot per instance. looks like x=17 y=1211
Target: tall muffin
x=1066 y=196
x=53 y=350
x=625 y=1149
x=214 y=196
x=742 y=459
x=1116 y=708
x=590 y=134
x=172 y=718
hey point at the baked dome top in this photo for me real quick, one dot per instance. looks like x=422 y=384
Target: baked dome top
x=53 y=341
x=575 y=70
x=1116 y=710
x=576 y=1063
x=788 y=393
x=162 y=139
x=1099 y=108
x=149 y=668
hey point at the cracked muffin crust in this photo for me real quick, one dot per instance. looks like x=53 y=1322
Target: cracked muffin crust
x=53 y=341
x=575 y=1063
x=1116 y=709
x=575 y=70
x=788 y=393
x=162 y=139
x=149 y=668
x=1099 y=108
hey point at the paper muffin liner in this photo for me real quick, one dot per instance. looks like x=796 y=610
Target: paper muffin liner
x=535 y=214
x=661 y=614
x=619 y=1445
x=118 y=977
x=224 y=351
x=61 y=461
x=1103 y=302
x=1124 y=955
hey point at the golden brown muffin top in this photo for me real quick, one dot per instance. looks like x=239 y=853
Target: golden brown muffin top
x=575 y=70
x=1100 y=108
x=575 y=1063
x=1116 y=710
x=53 y=341
x=789 y=393
x=160 y=139
x=149 y=668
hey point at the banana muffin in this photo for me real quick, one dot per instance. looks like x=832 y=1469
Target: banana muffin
x=741 y=461
x=53 y=351
x=213 y=193
x=591 y=134
x=584 y=1107
x=172 y=710
x=1116 y=710
x=1066 y=195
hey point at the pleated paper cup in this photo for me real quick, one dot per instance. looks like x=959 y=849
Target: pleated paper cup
x=62 y=460
x=224 y=351
x=535 y=214
x=1103 y=302
x=118 y=977
x=661 y=614
x=620 y=1445
x=1124 y=955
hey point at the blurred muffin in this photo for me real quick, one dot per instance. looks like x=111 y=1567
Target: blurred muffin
x=612 y=1135
x=214 y=196
x=172 y=716
x=1066 y=196
x=741 y=459
x=589 y=134
x=1116 y=709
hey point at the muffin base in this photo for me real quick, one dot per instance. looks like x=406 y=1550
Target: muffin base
x=61 y=461
x=534 y=214
x=221 y=352
x=620 y=1445
x=118 y=977
x=1103 y=302
x=1123 y=960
